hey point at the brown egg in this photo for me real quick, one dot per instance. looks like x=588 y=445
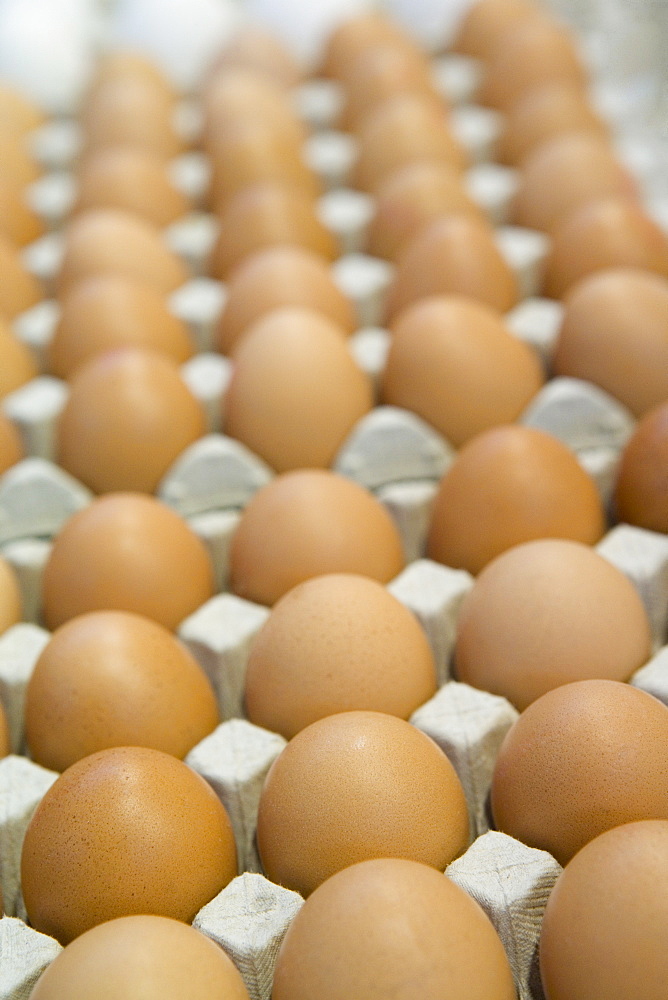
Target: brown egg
x=487 y=20
x=410 y=198
x=112 y=678
x=336 y=643
x=5 y=750
x=402 y=130
x=11 y=445
x=153 y=957
x=124 y=831
x=380 y=910
x=268 y=214
x=356 y=35
x=607 y=232
x=546 y=613
x=259 y=50
x=510 y=485
x=116 y=241
x=126 y=552
x=603 y=932
x=17 y=365
x=132 y=179
x=131 y=110
x=641 y=489
x=108 y=311
x=17 y=220
x=356 y=786
x=275 y=277
x=582 y=759
x=130 y=64
x=454 y=362
x=565 y=172
x=19 y=289
x=235 y=95
x=296 y=392
x=307 y=523
x=384 y=71
x=11 y=600
x=17 y=112
x=18 y=164
x=615 y=334
x=453 y=255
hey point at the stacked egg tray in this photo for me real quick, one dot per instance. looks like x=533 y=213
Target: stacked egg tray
x=391 y=452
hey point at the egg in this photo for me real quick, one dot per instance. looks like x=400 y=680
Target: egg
x=582 y=759
x=487 y=20
x=125 y=831
x=641 y=486
x=5 y=750
x=17 y=112
x=357 y=786
x=18 y=221
x=355 y=35
x=380 y=909
x=157 y=957
x=306 y=523
x=19 y=289
x=235 y=94
x=112 y=678
x=126 y=552
x=11 y=600
x=17 y=365
x=18 y=164
x=130 y=110
x=11 y=446
x=256 y=48
x=454 y=362
x=121 y=63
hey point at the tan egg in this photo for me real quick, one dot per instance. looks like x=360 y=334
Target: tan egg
x=564 y=173
x=108 y=311
x=357 y=786
x=130 y=110
x=125 y=831
x=126 y=552
x=307 y=523
x=641 y=488
x=403 y=130
x=510 y=485
x=380 y=909
x=153 y=957
x=112 y=678
x=356 y=35
x=603 y=932
x=615 y=334
x=17 y=219
x=256 y=49
x=115 y=241
x=296 y=392
x=607 y=232
x=546 y=613
x=487 y=20
x=410 y=198
x=128 y=417
x=17 y=112
x=133 y=179
x=235 y=95
x=584 y=758
x=11 y=445
x=17 y=365
x=5 y=750
x=268 y=214
x=337 y=643
x=19 y=289
x=453 y=255
x=455 y=363
x=11 y=600
x=280 y=276
x=130 y=64
x=16 y=161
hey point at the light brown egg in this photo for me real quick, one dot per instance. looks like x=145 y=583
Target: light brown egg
x=17 y=365
x=108 y=311
x=382 y=72
x=17 y=112
x=510 y=485
x=607 y=232
x=615 y=334
x=453 y=255
x=125 y=831
x=357 y=786
x=358 y=34
x=380 y=909
x=18 y=164
x=603 y=930
x=235 y=95
x=130 y=64
x=156 y=958
x=306 y=523
x=546 y=613
x=112 y=678
x=130 y=110
x=584 y=758
x=5 y=750
x=455 y=363
x=337 y=643
x=259 y=50
x=275 y=277
x=487 y=20
x=11 y=600
x=132 y=179
x=268 y=214
x=641 y=488
x=17 y=220
x=11 y=445
x=126 y=552
x=19 y=289
x=116 y=241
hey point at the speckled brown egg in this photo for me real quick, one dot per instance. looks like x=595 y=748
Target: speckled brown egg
x=18 y=220
x=19 y=289
x=486 y=20
x=12 y=449
x=641 y=487
x=357 y=786
x=17 y=365
x=580 y=760
x=124 y=831
x=131 y=110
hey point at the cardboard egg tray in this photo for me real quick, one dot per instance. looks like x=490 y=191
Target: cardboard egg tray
x=391 y=452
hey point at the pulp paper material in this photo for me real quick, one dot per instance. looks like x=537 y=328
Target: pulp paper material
x=643 y=556
x=653 y=677
x=20 y=648
x=24 y=955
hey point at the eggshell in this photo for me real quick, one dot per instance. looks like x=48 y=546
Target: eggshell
x=17 y=220
x=355 y=35
x=130 y=110
x=487 y=20
x=17 y=162
x=615 y=334
x=454 y=362
x=234 y=95
x=124 y=831
x=19 y=290
x=17 y=112
x=384 y=71
x=380 y=909
x=259 y=50
x=357 y=786
x=11 y=445
x=155 y=957
x=580 y=760
x=130 y=64
x=306 y=523
x=5 y=750
x=17 y=365
x=126 y=552
x=641 y=488
x=603 y=930
x=509 y=485
x=11 y=601
x=112 y=678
